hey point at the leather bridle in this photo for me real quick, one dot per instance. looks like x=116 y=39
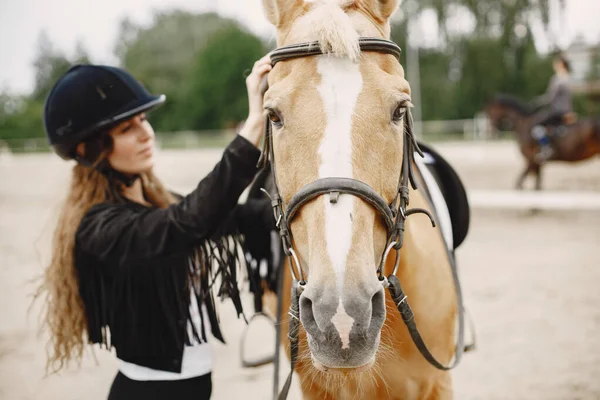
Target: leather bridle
x=394 y=216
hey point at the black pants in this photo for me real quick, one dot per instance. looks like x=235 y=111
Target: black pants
x=198 y=388
x=547 y=117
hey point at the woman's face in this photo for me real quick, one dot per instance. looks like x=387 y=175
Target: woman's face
x=133 y=146
x=558 y=65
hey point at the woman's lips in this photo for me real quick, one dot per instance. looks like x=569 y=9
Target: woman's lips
x=147 y=151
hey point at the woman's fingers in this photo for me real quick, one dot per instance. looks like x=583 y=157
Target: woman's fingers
x=255 y=78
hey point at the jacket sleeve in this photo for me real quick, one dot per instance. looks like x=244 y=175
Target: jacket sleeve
x=246 y=218
x=117 y=232
x=547 y=98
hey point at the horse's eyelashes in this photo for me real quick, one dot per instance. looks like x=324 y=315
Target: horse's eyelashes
x=399 y=112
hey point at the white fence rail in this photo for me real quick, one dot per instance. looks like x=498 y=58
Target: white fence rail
x=477 y=128
x=464 y=129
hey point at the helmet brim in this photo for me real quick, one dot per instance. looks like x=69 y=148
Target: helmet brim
x=147 y=104
x=137 y=107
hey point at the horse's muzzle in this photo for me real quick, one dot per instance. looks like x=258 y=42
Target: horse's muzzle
x=343 y=333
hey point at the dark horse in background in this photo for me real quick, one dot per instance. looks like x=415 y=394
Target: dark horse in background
x=572 y=141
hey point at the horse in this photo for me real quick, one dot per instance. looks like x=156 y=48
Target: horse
x=572 y=141
x=341 y=149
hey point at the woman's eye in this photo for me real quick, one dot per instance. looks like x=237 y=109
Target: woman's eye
x=125 y=129
x=399 y=113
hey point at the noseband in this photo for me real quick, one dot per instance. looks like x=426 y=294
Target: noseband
x=393 y=214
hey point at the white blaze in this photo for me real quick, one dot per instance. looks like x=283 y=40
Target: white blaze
x=343 y=323
x=341 y=84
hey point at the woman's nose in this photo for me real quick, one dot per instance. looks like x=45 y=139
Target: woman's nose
x=145 y=132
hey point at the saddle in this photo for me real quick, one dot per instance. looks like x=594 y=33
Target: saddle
x=453 y=192
x=559 y=126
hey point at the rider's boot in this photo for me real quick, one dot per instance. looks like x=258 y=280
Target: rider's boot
x=545 y=150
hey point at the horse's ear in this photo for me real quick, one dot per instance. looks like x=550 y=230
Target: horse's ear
x=383 y=9
x=279 y=12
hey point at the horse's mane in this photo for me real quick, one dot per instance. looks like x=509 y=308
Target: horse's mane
x=512 y=102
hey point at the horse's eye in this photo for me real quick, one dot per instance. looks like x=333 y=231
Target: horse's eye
x=399 y=112
x=275 y=118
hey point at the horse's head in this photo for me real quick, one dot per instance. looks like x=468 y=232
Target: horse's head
x=505 y=108
x=338 y=115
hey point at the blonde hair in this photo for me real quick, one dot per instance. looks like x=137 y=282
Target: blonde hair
x=63 y=313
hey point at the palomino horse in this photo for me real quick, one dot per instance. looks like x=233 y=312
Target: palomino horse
x=576 y=141
x=340 y=143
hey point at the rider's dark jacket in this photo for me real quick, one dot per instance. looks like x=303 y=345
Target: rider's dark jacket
x=137 y=265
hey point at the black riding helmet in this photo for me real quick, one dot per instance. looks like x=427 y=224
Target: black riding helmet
x=90 y=99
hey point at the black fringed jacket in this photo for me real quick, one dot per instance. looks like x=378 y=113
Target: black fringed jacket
x=137 y=265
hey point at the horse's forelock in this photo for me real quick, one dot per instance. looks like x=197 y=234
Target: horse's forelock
x=327 y=23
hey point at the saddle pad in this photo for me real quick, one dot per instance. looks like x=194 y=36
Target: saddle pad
x=448 y=184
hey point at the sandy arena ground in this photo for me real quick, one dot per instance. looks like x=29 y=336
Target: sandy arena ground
x=530 y=281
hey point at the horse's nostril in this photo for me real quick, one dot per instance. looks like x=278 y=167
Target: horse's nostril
x=378 y=309
x=306 y=306
x=307 y=316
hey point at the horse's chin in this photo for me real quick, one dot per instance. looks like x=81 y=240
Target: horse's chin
x=342 y=371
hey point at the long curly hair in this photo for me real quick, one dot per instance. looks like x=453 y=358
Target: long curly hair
x=63 y=310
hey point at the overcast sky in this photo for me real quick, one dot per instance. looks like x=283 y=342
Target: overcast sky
x=95 y=23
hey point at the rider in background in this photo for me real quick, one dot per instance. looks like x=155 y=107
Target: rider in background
x=553 y=106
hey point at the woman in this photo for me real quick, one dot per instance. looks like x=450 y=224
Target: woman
x=554 y=104
x=131 y=264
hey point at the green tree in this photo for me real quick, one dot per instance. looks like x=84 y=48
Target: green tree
x=588 y=103
x=492 y=17
x=465 y=71
x=49 y=65
x=22 y=116
x=216 y=96
x=81 y=54
x=438 y=86
x=162 y=54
